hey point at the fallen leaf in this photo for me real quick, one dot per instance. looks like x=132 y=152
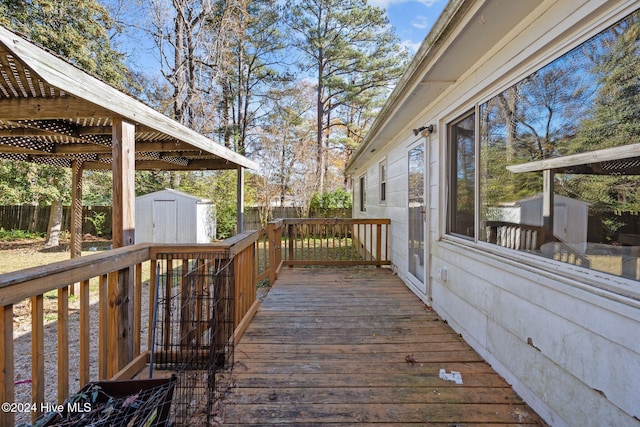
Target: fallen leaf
x=409 y=358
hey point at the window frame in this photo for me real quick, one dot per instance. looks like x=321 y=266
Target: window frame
x=618 y=286
x=382 y=180
x=452 y=172
x=363 y=192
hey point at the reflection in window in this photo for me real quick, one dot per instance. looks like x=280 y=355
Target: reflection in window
x=363 y=193
x=586 y=100
x=416 y=211
x=462 y=180
x=383 y=182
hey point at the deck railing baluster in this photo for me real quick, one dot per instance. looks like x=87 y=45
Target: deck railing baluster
x=37 y=352
x=63 y=343
x=7 y=418
x=137 y=309
x=85 y=333
x=319 y=241
x=335 y=241
x=103 y=302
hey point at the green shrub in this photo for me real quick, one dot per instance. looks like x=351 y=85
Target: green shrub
x=336 y=199
x=11 y=235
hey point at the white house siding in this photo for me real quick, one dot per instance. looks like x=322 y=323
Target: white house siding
x=569 y=346
x=562 y=347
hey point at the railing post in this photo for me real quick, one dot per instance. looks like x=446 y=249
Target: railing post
x=273 y=244
x=290 y=242
x=278 y=235
x=378 y=245
x=119 y=320
x=244 y=283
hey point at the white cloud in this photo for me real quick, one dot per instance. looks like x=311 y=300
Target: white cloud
x=420 y=22
x=411 y=46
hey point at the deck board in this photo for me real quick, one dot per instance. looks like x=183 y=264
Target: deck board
x=355 y=346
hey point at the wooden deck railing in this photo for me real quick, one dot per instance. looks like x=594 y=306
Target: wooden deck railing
x=320 y=241
x=118 y=274
x=517 y=236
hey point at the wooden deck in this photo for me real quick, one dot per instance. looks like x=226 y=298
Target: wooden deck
x=355 y=346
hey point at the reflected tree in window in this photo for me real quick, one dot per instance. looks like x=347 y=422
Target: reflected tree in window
x=463 y=180
x=586 y=100
x=613 y=120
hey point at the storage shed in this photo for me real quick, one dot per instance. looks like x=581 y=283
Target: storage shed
x=170 y=216
x=570 y=216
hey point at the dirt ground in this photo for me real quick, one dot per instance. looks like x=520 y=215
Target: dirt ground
x=28 y=253
x=21 y=254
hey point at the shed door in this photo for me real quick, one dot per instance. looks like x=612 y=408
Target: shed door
x=165 y=224
x=417 y=217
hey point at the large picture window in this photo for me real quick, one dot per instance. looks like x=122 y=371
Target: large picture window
x=559 y=159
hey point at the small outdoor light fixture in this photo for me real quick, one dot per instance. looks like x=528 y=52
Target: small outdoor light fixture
x=426 y=130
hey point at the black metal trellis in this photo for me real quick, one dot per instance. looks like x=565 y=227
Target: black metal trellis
x=194 y=331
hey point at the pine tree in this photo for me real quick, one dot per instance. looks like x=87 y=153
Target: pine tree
x=350 y=50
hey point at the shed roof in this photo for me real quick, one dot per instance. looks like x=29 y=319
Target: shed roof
x=167 y=192
x=51 y=112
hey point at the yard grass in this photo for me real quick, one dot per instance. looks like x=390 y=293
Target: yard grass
x=25 y=252
x=30 y=252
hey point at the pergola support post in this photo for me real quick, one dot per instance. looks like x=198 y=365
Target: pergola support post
x=240 y=206
x=76 y=212
x=120 y=284
x=76 y=208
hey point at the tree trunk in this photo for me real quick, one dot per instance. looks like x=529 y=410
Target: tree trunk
x=55 y=225
x=179 y=71
x=33 y=225
x=226 y=121
x=319 y=135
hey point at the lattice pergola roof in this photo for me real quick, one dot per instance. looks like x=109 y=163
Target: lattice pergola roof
x=623 y=160
x=51 y=112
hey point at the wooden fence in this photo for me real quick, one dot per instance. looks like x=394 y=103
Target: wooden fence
x=35 y=218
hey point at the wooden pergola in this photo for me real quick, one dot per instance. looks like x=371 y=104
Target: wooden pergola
x=615 y=161
x=51 y=112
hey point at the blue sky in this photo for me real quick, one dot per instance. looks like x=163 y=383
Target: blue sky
x=412 y=19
